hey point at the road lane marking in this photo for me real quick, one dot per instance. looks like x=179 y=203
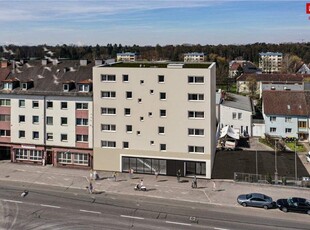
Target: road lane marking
x=49 y=206
x=179 y=223
x=82 y=210
x=14 y=201
x=133 y=217
x=207 y=196
x=221 y=228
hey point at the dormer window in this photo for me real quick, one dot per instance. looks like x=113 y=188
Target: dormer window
x=8 y=85
x=84 y=87
x=24 y=86
x=66 y=87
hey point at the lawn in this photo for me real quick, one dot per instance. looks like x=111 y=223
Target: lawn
x=299 y=147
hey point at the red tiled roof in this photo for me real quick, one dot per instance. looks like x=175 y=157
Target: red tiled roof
x=4 y=72
x=286 y=103
x=235 y=66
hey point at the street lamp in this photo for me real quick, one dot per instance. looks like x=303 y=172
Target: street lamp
x=295 y=163
x=275 y=163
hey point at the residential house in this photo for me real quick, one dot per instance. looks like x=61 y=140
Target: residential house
x=236 y=111
x=46 y=113
x=126 y=57
x=241 y=66
x=143 y=123
x=286 y=113
x=194 y=57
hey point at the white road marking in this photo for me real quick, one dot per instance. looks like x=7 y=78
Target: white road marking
x=82 y=210
x=133 y=217
x=179 y=223
x=14 y=201
x=207 y=196
x=49 y=206
x=221 y=228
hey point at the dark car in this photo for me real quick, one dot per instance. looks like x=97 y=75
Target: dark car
x=256 y=200
x=294 y=204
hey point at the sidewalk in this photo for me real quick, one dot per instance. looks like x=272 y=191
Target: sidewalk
x=216 y=192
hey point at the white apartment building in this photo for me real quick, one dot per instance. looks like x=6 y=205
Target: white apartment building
x=48 y=120
x=155 y=117
x=270 y=62
x=194 y=57
x=126 y=57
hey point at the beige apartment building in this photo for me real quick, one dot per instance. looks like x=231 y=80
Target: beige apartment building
x=270 y=62
x=155 y=116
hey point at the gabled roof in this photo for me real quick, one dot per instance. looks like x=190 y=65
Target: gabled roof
x=4 y=73
x=274 y=77
x=286 y=103
x=48 y=79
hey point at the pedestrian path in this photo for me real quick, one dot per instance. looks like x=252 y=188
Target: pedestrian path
x=216 y=192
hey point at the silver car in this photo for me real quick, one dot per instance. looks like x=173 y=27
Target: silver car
x=256 y=200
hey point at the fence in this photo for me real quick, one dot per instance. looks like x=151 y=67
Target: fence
x=270 y=179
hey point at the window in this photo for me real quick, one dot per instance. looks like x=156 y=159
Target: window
x=128 y=95
x=161 y=78
x=4 y=117
x=81 y=138
x=80 y=158
x=302 y=124
x=239 y=116
x=288 y=130
x=35 y=135
x=65 y=87
x=139 y=100
x=5 y=133
x=288 y=119
x=21 y=134
x=129 y=128
x=273 y=129
x=81 y=106
x=49 y=120
x=138 y=132
x=108 y=77
x=35 y=155
x=7 y=85
x=22 y=118
x=141 y=118
x=127 y=111
x=196 y=114
x=151 y=91
x=161 y=130
x=21 y=154
x=272 y=118
x=24 y=85
x=162 y=147
x=21 y=103
x=64 y=105
x=108 y=94
x=141 y=82
x=195 y=97
x=64 y=121
x=108 y=144
x=5 y=102
x=108 y=111
x=125 y=145
x=64 y=157
x=195 y=79
x=84 y=87
x=162 y=96
x=35 y=104
x=81 y=121
x=125 y=78
x=49 y=136
x=150 y=114
x=49 y=104
x=162 y=113
x=195 y=132
x=195 y=149
x=151 y=142
x=35 y=119
x=108 y=127
x=234 y=115
x=63 y=137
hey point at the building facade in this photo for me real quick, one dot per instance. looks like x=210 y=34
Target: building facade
x=194 y=57
x=270 y=62
x=46 y=113
x=155 y=117
x=126 y=57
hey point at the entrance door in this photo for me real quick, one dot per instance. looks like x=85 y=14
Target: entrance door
x=173 y=166
x=49 y=157
x=5 y=153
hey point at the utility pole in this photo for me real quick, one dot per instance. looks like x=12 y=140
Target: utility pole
x=295 y=164
x=256 y=165
x=275 y=163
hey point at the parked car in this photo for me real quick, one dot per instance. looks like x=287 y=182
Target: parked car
x=256 y=200
x=294 y=204
x=308 y=157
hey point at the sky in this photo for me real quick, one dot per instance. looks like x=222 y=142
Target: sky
x=152 y=22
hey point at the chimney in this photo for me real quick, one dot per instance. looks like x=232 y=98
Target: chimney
x=4 y=64
x=44 y=62
x=83 y=62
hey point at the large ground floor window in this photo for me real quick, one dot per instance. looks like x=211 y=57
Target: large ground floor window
x=73 y=158
x=195 y=168
x=144 y=165
x=28 y=154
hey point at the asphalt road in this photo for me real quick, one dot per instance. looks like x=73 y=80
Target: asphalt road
x=50 y=207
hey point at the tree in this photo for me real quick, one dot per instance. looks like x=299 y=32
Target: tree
x=291 y=63
x=252 y=85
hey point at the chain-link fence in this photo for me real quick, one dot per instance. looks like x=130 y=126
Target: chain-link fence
x=270 y=179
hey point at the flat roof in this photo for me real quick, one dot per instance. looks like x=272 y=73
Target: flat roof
x=159 y=65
